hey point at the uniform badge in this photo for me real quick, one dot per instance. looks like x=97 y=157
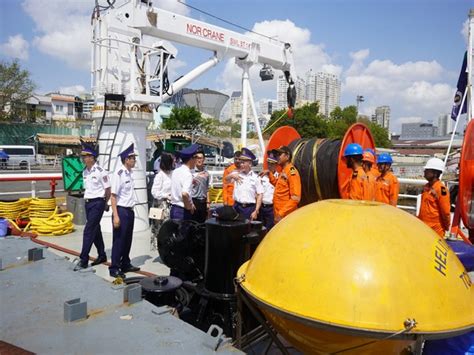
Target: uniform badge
x=443 y=191
x=293 y=171
x=105 y=179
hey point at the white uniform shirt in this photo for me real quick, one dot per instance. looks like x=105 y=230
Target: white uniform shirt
x=123 y=187
x=162 y=186
x=247 y=190
x=181 y=181
x=268 y=190
x=96 y=181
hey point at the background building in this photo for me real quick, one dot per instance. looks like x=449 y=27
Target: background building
x=418 y=131
x=324 y=88
x=209 y=102
x=236 y=107
x=445 y=125
x=382 y=117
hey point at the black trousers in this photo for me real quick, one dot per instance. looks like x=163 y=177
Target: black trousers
x=200 y=215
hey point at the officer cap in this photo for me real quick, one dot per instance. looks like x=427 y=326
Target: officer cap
x=88 y=149
x=189 y=151
x=247 y=154
x=271 y=158
x=128 y=152
x=282 y=149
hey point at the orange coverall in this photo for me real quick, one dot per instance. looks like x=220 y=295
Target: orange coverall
x=357 y=187
x=228 y=188
x=435 y=207
x=287 y=192
x=386 y=189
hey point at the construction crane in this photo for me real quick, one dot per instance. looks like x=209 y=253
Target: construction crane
x=131 y=55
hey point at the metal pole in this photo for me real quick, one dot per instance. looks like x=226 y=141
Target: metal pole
x=257 y=124
x=243 y=124
x=455 y=127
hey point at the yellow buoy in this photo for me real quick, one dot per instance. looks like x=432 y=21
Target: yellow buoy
x=339 y=274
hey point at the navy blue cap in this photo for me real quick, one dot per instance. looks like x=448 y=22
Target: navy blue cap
x=247 y=154
x=128 y=152
x=189 y=151
x=88 y=149
x=271 y=158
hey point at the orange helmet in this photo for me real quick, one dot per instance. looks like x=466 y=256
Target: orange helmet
x=368 y=157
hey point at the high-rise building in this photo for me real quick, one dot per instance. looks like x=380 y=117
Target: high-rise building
x=282 y=87
x=236 y=107
x=445 y=125
x=324 y=88
x=382 y=116
x=266 y=107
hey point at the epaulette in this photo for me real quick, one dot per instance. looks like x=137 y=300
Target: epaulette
x=120 y=172
x=444 y=192
x=100 y=169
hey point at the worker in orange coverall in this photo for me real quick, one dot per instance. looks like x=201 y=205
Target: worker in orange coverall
x=386 y=184
x=368 y=160
x=357 y=186
x=435 y=204
x=228 y=188
x=287 y=192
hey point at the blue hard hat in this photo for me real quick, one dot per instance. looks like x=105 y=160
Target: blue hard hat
x=353 y=149
x=384 y=158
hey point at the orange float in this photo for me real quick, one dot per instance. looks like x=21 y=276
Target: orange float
x=466 y=176
x=357 y=133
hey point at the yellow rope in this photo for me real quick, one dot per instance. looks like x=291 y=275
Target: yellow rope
x=277 y=120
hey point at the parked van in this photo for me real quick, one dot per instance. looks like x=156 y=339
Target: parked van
x=20 y=156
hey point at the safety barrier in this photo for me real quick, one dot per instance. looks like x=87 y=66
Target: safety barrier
x=33 y=177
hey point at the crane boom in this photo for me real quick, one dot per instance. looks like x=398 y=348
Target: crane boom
x=131 y=53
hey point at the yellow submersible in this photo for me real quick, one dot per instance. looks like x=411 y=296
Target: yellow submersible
x=341 y=276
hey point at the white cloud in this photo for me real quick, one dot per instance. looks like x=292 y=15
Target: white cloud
x=411 y=89
x=357 y=61
x=64 y=29
x=15 y=47
x=73 y=90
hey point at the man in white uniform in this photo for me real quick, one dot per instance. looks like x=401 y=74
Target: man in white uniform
x=182 y=206
x=96 y=195
x=123 y=216
x=248 y=189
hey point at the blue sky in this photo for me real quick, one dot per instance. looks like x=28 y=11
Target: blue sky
x=406 y=54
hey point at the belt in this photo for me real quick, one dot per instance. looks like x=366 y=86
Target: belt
x=267 y=204
x=94 y=199
x=244 y=205
x=203 y=199
x=127 y=208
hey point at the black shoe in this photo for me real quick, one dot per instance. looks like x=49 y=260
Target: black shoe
x=81 y=265
x=99 y=260
x=117 y=274
x=130 y=268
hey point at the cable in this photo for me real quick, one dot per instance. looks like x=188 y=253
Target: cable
x=276 y=121
x=228 y=22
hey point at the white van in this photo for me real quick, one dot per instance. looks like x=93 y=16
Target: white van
x=20 y=156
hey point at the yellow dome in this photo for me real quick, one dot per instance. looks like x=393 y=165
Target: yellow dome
x=357 y=266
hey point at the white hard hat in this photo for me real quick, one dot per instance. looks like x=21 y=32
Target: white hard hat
x=435 y=164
